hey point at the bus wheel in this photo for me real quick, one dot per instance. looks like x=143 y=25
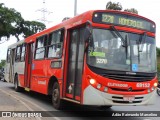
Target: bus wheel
x=56 y=101
x=16 y=87
x=158 y=91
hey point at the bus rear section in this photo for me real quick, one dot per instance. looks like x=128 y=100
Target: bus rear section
x=15 y=62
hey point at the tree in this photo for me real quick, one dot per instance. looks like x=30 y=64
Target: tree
x=158 y=52
x=117 y=6
x=158 y=59
x=113 y=6
x=31 y=27
x=132 y=10
x=9 y=20
x=158 y=62
x=12 y=23
x=2 y=64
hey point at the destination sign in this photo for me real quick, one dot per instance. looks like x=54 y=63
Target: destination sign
x=123 y=20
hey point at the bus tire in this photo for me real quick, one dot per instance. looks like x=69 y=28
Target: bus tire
x=56 y=101
x=158 y=91
x=16 y=87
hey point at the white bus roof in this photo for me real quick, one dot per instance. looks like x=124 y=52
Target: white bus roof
x=16 y=44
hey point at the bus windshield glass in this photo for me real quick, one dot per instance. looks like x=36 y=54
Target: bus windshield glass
x=107 y=52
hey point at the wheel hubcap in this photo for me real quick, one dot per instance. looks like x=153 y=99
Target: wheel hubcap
x=55 y=95
x=15 y=84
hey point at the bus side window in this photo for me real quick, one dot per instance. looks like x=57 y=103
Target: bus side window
x=55 y=44
x=23 y=52
x=8 y=55
x=40 y=47
x=18 y=54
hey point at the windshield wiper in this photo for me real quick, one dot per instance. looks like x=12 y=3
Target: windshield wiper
x=140 y=42
x=124 y=40
x=119 y=35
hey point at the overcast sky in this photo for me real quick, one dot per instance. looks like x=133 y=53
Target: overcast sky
x=59 y=9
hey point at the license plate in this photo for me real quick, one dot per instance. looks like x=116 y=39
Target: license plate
x=128 y=98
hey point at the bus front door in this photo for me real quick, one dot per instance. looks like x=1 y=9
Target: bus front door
x=75 y=64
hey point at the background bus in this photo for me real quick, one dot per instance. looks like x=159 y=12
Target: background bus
x=11 y=63
x=100 y=57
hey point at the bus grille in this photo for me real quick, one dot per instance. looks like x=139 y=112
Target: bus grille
x=121 y=98
x=133 y=78
x=126 y=102
x=118 y=99
x=126 y=90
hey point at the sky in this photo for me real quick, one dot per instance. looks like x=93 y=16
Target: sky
x=58 y=9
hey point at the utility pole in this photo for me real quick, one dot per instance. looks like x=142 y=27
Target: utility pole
x=75 y=7
x=44 y=11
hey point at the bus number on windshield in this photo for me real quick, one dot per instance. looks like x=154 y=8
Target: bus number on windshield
x=101 y=61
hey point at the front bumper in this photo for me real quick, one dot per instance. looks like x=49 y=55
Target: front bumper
x=92 y=96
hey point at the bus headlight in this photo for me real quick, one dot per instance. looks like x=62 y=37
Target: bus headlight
x=155 y=84
x=92 y=81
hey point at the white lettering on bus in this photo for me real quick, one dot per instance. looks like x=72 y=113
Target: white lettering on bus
x=77 y=23
x=117 y=85
x=42 y=82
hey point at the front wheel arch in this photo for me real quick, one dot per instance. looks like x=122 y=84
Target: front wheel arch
x=51 y=82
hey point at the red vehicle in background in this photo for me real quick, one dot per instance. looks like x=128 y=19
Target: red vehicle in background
x=101 y=57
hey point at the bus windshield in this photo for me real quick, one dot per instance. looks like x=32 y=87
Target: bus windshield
x=108 y=52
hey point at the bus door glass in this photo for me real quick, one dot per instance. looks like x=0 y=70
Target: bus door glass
x=28 y=68
x=12 y=60
x=75 y=65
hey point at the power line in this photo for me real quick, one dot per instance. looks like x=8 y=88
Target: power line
x=44 y=12
x=75 y=7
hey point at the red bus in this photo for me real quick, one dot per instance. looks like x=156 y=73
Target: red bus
x=101 y=57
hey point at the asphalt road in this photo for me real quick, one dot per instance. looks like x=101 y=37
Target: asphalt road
x=31 y=101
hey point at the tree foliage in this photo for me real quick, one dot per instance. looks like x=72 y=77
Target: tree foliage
x=158 y=52
x=2 y=64
x=117 y=6
x=132 y=10
x=113 y=6
x=158 y=62
x=31 y=27
x=9 y=20
x=158 y=59
x=12 y=23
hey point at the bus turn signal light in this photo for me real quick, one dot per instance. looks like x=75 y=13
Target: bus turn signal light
x=99 y=86
x=152 y=88
x=105 y=89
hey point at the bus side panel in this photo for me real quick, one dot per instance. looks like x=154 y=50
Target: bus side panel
x=21 y=79
x=56 y=72
x=19 y=69
x=7 y=66
x=39 y=79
